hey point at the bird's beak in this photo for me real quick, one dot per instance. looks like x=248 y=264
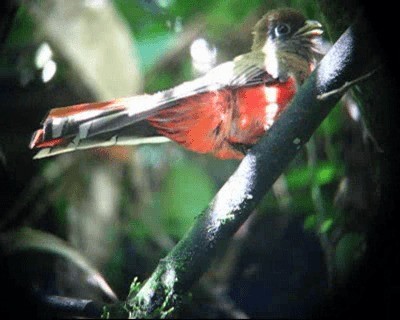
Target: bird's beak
x=311 y=28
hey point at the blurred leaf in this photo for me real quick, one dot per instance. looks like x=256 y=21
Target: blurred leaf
x=298 y=177
x=186 y=191
x=310 y=8
x=152 y=48
x=23 y=29
x=323 y=173
x=310 y=222
x=303 y=202
x=143 y=22
x=326 y=225
x=187 y=9
x=114 y=267
x=268 y=202
x=348 y=251
x=237 y=10
x=26 y=239
x=61 y=206
x=139 y=230
x=332 y=123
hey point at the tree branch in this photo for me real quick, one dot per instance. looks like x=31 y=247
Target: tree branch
x=71 y=307
x=265 y=162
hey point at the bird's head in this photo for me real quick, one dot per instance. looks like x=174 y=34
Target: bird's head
x=289 y=42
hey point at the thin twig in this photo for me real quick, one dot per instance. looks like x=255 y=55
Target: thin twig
x=340 y=91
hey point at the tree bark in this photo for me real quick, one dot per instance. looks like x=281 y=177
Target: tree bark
x=191 y=257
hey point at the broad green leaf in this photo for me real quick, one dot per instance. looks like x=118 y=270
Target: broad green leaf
x=23 y=28
x=186 y=191
x=298 y=177
x=348 y=251
x=303 y=201
x=323 y=173
x=332 y=123
x=310 y=222
x=326 y=225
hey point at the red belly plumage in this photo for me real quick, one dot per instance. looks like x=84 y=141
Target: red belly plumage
x=217 y=121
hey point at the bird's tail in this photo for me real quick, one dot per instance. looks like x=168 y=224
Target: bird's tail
x=91 y=125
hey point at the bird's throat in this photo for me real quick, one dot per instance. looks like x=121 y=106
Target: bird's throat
x=282 y=65
x=272 y=63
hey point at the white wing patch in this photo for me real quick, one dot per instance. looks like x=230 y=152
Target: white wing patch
x=57 y=126
x=272 y=108
x=271 y=111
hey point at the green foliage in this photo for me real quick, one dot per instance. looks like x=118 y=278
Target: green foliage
x=333 y=123
x=61 y=206
x=322 y=174
x=326 y=225
x=310 y=222
x=186 y=191
x=115 y=311
x=22 y=30
x=138 y=230
x=114 y=267
x=348 y=251
x=237 y=9
x=134 y=288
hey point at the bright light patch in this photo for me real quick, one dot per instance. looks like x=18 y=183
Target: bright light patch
x=49 y=70
x=95 y=4
x=165 y=3
x=203 y=55
x=43 y=55
x=99 y=281
x=56 y=121
x=43 y=60
x=296 y=141
x=352 y=108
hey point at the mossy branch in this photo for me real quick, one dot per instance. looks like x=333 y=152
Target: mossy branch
x=264 y=163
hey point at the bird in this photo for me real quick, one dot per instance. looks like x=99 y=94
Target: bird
x=223 y=113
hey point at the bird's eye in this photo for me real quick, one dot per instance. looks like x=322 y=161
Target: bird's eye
x=282 y=29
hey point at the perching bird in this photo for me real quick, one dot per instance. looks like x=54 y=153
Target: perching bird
x=223 y=112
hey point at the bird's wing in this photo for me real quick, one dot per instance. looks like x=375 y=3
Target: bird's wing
x=81 y=123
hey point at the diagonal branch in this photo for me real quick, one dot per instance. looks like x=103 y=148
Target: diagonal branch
x=264 y=163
